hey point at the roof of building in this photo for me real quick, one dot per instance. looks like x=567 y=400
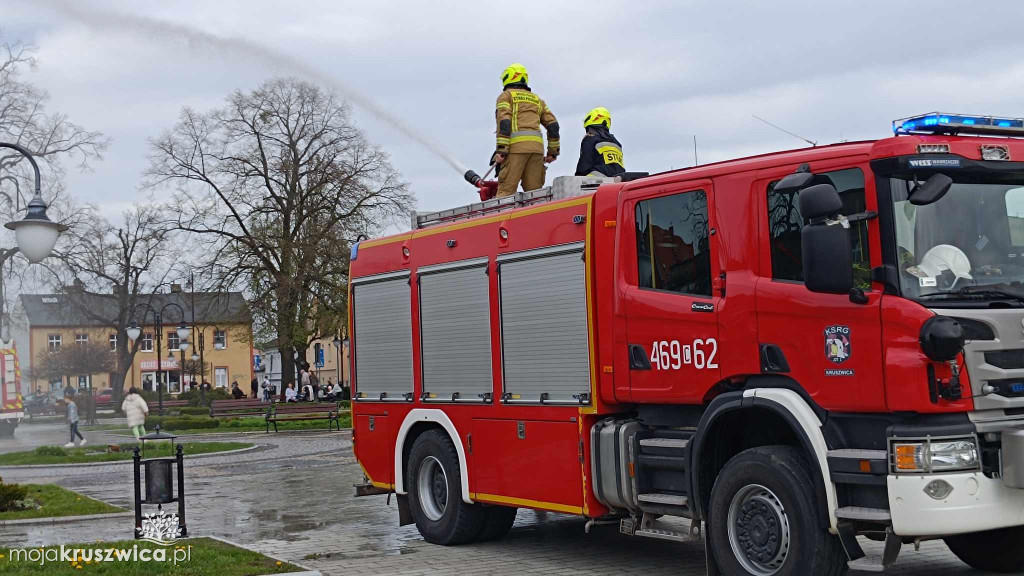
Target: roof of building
x=90 y=309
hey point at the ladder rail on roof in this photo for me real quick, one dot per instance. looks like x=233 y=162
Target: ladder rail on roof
x=562 y=187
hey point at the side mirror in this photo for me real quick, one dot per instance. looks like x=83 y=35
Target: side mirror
x=933 y=189
x=824 y=244
x=794 y=181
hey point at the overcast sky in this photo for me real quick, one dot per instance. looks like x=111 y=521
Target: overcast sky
x=666 y=70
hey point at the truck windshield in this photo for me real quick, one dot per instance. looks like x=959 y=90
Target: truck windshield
x=969 y=245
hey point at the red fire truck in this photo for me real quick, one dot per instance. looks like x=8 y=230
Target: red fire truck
x=11 y=408
x=791 y=350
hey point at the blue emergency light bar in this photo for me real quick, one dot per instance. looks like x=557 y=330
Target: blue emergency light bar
x=939 y=123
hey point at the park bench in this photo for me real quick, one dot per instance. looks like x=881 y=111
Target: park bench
x=241 y=407
x=295 y=411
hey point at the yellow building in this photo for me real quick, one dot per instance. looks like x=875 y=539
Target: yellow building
x=220 y=335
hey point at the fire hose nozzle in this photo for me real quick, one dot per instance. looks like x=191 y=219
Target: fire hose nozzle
x=472 y=177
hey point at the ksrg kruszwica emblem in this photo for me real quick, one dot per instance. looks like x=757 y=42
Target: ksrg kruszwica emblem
x=837 y=344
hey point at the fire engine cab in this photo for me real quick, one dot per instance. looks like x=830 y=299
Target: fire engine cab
x=792 y=351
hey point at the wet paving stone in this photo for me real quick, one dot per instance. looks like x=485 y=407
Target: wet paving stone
x=293 y=499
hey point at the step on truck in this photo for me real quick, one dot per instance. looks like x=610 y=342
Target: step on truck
x=791 y=351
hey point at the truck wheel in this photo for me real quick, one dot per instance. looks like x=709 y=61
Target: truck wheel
x=7 y=429
x=765 y=519
x=992 y=551
x=498 y=520
x=434 y=482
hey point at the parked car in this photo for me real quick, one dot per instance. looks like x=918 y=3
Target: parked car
x=105 y=396
x=39 y=405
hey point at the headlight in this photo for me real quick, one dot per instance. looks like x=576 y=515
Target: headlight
x=944 y=455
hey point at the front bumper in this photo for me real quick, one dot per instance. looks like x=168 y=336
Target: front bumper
x=977 y=503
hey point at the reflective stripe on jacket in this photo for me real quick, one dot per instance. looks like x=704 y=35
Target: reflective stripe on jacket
x=520 y=113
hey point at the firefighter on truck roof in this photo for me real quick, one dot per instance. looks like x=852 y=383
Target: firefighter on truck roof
x=600 y=152
x=520 y=146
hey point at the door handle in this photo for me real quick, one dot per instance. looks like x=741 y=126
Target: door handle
x=638 y=359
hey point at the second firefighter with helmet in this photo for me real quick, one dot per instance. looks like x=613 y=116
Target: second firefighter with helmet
x=600 y=152
x=520 y=149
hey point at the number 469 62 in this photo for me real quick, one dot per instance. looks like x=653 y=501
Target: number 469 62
x=670 y=355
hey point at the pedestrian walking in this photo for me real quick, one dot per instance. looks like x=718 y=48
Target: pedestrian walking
x=254 y=386
x=69 y=398
x=136 y=410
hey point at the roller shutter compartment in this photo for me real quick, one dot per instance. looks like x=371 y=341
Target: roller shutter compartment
x=383 y=338
x=455 y=332
x=545 y=343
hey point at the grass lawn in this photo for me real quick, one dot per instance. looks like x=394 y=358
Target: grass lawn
x=195 y=557
x=58 y=455
x=246 y=424
x=57 y=501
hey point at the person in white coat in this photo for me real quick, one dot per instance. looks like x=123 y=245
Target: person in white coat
x=135 y=409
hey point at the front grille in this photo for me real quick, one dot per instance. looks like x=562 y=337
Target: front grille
x=1005 y=359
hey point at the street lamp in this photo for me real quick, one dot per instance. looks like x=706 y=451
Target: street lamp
x=35 y=234
x=340 y=373
x=183 y=346
x=134 y=331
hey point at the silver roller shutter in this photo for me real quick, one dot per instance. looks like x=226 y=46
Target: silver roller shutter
x=545 y=342
x=455 y=324
x=383 y=338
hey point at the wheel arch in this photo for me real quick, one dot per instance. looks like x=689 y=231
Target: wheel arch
x=780 y=416
x=416 y=422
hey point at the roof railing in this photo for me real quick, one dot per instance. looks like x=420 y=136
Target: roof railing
x=562 y=187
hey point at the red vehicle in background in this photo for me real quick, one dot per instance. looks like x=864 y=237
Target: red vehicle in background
x=790 y=350
x=11 y=407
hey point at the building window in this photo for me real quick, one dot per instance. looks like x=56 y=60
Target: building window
x=220 y=377
x=113 y=341
x=147 y=343
x=672 y=243
x=220 y=339
x=785 y=224
x=53 y=342
x=81 y=338
x=173 y=342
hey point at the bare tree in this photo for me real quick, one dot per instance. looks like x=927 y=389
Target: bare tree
x=276 y=186
x=107 y=271
x=50 y=136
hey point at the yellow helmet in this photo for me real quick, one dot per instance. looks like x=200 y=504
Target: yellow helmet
x=599 y=115
x=515 y=74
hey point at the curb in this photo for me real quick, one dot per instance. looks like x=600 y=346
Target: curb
x=129 y=461
x=64 y=519
x=307 y=571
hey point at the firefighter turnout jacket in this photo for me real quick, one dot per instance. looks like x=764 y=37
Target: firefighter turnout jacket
x=600 y=154
x=520 y=113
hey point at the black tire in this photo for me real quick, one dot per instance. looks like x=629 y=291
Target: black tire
x=498 y=520
x=7 y=429
x=778 y=522
x=455 y=521
x=994 y=550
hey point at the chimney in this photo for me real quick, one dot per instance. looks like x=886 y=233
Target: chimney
x=175 y=288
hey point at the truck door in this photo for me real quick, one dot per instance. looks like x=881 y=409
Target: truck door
x=670 y=297
x=829 y=345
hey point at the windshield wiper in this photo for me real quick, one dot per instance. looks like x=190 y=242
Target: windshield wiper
x=979 y=292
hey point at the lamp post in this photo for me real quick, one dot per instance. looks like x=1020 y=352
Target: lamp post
x=134 y=331
x=202 y=357
x=183 y=346
x=339 y=373
x=35 y=234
